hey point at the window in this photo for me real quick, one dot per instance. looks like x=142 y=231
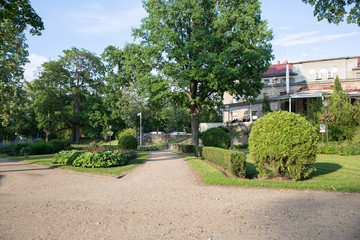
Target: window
x=358 y=74
x=235 y=116
x=275 y=80
x=292 y=79
x=283 y=80
x=330 y=74
x=318 y=75
x=266 y=81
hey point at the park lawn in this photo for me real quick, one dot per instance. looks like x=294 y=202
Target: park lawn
x=334 y=173
x=45 y=160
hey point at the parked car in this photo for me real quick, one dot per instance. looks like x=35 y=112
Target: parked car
x=154 y=133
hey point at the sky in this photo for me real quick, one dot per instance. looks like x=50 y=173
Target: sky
x=94 y=25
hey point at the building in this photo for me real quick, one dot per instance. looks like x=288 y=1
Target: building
x=296 y=88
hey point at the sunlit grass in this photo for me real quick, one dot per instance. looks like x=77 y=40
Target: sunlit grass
x=334 y=173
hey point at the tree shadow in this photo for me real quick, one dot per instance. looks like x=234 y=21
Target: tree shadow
x=324 y=168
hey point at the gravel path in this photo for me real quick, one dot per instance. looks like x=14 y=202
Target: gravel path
x=163 y=199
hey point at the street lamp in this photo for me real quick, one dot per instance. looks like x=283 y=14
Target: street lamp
x=110 y=133
x=139 y=114
x=326 y=104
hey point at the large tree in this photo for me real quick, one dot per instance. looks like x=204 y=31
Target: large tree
x=206 y=47
x=15 y=17
x=85 y=73
x=336 y=10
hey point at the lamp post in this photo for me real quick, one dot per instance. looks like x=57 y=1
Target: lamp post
x=326 y=104
x=139 y=114
x=110 y=133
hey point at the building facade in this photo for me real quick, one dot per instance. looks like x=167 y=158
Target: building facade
x=294 y=86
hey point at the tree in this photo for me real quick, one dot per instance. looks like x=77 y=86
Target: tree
x=86 y=72
x=15 y=17
x=335 y=10
x=206 y=47
x=266 y=106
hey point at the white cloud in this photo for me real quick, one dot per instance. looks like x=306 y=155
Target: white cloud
x=283 y=28
x=308 y=38
x=35 y=62
x=98 y=20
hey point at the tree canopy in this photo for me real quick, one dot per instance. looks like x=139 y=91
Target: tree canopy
x=336 y=10
x=203 y=48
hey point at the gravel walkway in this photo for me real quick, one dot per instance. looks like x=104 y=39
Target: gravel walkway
x=163 y=199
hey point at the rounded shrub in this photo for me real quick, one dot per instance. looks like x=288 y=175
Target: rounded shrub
x=283 y=144
x=215 y=137
x=125 y=132
x=127 y=142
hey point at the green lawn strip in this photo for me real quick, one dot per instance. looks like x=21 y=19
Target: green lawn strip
x=334 y=173
x=45 y=160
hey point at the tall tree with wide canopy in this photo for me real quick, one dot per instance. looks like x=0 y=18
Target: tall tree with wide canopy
x=336 y=10
x=15 y=17
x=86 y=72
x=206 y=47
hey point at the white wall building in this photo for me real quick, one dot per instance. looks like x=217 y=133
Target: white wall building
x=306 y=81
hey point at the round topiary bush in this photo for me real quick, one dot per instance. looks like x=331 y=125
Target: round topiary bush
x=283 y=144
x=127 y=142
x=215 y=137
x=57 y=144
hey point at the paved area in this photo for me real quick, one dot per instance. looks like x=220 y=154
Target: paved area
x=163 y=199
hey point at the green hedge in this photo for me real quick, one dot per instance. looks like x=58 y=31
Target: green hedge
x=40 y=148
x=233 y=161
x=185 y=148
x=147 y=148
x=341 y=148
x=198 y=151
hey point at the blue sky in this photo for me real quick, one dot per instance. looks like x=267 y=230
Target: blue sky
x=94 y=25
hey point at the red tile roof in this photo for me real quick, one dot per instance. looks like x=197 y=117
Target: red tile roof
x=278 y=70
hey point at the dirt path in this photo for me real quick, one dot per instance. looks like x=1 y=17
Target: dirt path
x=163 y=200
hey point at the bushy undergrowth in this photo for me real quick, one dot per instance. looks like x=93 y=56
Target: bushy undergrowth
x=341 y=148
x=185 y=148
x=283 y=144
x=94 y=159
x=244 y=146
x=215 y=137
x=233 y=161
x=41 y=148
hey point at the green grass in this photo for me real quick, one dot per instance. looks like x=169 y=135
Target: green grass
x=334 y=173
x=45 y=160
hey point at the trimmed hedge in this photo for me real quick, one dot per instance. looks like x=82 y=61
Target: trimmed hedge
x=198 y=151
x=57 y=144
x=283 y=144
x=147 y=148
x=341 y=148
x=185 y=148
x=233 y=161
x=215 y=137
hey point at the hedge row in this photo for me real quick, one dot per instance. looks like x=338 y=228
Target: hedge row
x=344 y=149
x=233 y=161
x=93 y=159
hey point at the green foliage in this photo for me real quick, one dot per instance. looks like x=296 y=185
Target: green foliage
x=25 y=151
x=16 y=147
x=215 y=137
x=283 y=144
x=266 y=106
x=347 y=116
x=40 y=148
x=57 y=144
x=92 y=159
x=67 y=157
x=185 y=148
x=204 y=49
x=244 y=146
x=66 y=143
x=335 y=11
x=233 y=161
x=341 y=148
x=147 y=148
x=224 y=129
x=125 y=132
x=127 y=142
x=198 y=151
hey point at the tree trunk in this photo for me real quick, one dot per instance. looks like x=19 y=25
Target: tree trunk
x=195 y=110
x=73 y=133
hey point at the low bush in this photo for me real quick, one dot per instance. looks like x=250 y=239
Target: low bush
x=40 y=148
x=16 y=147
x=127 y=142
x=67 y=157
x=125 y=132
x=57 y=144
x=25 y=151
x=101 y=159
x=244 y=146
x=233 y=161
x=283 y=144
x=215 y=137
x=341 y=148
x=66 y=143
x=185 y=148
x=147 y=148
